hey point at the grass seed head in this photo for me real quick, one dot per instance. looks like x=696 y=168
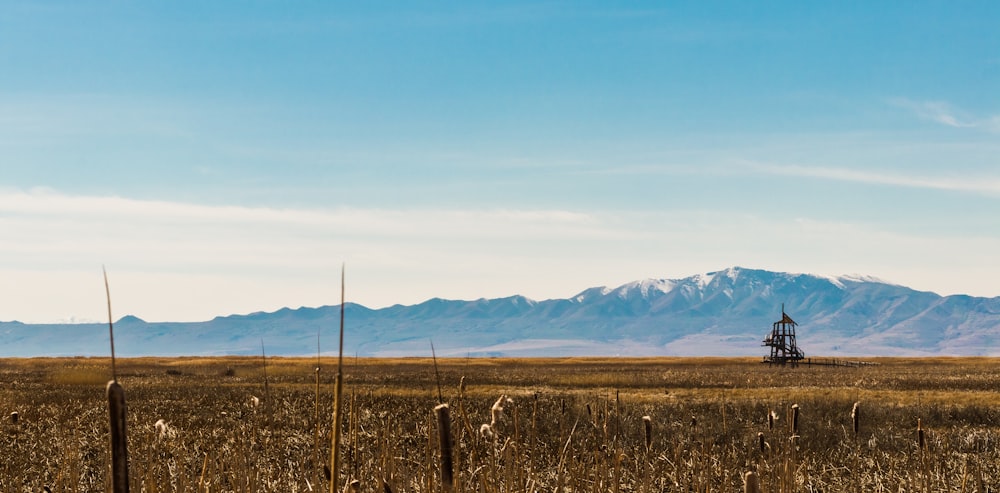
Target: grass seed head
x=486 y=431
x=496 y=412
x=161 y=428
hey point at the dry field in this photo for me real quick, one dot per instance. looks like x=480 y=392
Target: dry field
x=571 y=424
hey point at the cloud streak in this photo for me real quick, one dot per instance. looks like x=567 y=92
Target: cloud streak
x=944 y=113
x=982 y=185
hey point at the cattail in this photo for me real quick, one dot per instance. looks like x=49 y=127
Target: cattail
x=795 y=419
x=751 y=483
x=444 y=441
x=385 y=486
x=771 y=418
x=760 y=441
x=14 y=417
x=161 y=428
x=694 y=421
x=116 y=412
x=856 y=417
x=647 y=425
x=920 y=434
x=119 y=447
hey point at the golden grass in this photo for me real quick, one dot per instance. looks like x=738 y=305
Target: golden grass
x=97 y=377
x=573 y=421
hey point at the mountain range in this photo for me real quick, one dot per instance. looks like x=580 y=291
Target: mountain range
x=724 y=313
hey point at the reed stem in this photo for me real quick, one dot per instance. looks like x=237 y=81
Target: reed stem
x=337 y=398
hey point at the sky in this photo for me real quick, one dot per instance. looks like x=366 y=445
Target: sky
x=232 y=157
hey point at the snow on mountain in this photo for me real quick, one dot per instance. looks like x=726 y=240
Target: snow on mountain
x=642 y=289
x=726 y=312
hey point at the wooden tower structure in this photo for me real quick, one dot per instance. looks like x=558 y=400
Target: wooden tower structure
x=782 y=342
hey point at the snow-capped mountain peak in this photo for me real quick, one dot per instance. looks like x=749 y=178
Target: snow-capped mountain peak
x=645 y=288
x=726 y=312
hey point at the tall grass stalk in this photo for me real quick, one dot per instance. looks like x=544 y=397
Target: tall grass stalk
x=437 y=375
x=316 y=450
x=267 y=391
x=337 y=398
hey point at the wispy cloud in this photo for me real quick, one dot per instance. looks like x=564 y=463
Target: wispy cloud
x=977 y=184
x=213 y=259
x=181 y=261
x=945 y=113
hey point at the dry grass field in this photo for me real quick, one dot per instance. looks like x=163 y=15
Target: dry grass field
x=565 y=425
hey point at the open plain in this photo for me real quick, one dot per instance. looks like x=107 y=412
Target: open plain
x=516 y=425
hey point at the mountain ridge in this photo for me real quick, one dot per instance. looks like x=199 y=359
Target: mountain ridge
x=723 y=313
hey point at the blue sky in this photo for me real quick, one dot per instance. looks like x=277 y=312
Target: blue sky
x=229 y=157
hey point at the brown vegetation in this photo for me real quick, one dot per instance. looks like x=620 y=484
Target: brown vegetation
x=659 y=424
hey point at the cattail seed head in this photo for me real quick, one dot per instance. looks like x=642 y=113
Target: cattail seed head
x=771 y=418
x=760 y=441
x=647 y=425
x=751 y=483
x=119 y=443
x=920 y=435
x=795 y=419
x=14 y=417
x=856 y=417
x=694 y=421
x=444 y=442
